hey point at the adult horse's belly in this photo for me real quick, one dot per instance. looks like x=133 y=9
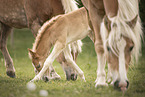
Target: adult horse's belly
x=12 y=13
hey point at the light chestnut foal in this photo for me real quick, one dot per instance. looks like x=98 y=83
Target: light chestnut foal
x=59 y=32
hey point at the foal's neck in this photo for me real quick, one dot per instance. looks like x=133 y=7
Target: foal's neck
x=45 y=44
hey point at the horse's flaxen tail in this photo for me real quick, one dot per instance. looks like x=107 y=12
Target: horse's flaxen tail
x=69 y=6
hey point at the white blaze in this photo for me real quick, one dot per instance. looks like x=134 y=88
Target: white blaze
x=122 y=68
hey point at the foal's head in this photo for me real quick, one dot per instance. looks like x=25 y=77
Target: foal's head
x=37 y=60
x=121 y=42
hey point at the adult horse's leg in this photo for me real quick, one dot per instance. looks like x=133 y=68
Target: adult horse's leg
x=96 y=13
x=4 y=32
x=69 y=58
x=35 y=26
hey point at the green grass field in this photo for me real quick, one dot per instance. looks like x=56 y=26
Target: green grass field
x=87 y=61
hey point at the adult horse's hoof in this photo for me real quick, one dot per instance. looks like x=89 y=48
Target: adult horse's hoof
x=101 y=85
x=11 y=74
x=74 y=77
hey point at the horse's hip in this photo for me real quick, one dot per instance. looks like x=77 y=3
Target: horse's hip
x=12 y=13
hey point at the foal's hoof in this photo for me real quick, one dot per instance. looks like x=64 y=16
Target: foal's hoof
x=11 y=74
x=45 y=78
x=74 y=77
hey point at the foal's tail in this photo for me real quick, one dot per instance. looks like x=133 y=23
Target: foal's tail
x=69 y=6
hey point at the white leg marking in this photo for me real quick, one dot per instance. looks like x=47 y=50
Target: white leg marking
x=101 y=71
x=55 y=52
x=69 y=58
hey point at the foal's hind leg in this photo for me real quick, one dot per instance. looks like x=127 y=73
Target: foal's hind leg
x=5 y=31
x=69 y=71
x=58 y=47
x=69 y=58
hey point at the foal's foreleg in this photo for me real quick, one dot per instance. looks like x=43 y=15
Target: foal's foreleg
x=69 y=58
x=35 y=26
x=55 y=52
x=5 y=31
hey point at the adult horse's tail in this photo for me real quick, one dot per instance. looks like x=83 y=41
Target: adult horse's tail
x=69 y=6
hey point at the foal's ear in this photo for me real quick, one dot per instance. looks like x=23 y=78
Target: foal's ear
x=133 y=22
x=107 y=23
x=32 y=54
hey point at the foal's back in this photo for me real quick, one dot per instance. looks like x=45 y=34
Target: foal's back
x=72 y=26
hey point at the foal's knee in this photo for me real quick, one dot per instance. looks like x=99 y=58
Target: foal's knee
x=68 y=59
x=47 y=63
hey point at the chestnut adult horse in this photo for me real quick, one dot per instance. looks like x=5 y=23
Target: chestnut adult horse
x=31 y=14
x=117 y=38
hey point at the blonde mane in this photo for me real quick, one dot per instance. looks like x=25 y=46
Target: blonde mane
x=128 y=9
x=43 y=29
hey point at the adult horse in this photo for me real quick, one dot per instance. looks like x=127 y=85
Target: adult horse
x=116 y=37
x=30 y=14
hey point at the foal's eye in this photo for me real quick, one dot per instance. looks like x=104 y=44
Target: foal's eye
x=38 y=66
x=108 y=48
x=131 y=48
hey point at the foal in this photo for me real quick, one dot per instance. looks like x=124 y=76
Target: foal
x=59 y=32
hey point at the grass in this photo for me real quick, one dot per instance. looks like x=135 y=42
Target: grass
x=87 y=61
